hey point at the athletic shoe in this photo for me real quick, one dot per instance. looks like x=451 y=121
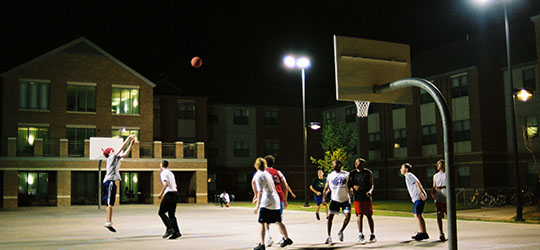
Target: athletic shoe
x=175 y=236
x=286 y=242
x=317 y=216
x=421 y=236
x=168 y=233
x=372 y=238
x=442 y=238
x=340 y=235
x=259 y=247
x=109 y=226
x=269 y=241
x=281 y=241
x=362 y=239
x=328 y=240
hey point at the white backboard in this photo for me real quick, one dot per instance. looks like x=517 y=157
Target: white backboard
x=99 y=143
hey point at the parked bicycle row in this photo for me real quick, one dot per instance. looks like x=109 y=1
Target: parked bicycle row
x=500 y=197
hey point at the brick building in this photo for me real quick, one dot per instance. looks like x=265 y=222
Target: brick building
x=52 y=104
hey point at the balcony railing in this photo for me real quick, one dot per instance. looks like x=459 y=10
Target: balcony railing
x=66 y=148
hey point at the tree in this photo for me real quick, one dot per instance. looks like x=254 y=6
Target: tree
x=338 y=143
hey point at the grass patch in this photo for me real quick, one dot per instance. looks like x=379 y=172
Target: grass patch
x=533 y=215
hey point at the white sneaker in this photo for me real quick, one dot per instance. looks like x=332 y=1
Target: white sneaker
x=109 y=226
x=362 y=239
x=281 y=241
x=328 y=240
x=269 y=241
x=340 y=235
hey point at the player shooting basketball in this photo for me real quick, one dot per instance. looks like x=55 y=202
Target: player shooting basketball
x=113 y=176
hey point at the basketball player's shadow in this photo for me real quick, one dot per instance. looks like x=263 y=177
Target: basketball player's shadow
x=329 y=247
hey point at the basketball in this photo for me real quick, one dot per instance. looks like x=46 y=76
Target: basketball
x=196 y=62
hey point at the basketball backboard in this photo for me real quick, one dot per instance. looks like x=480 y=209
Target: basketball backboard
x=361 y=64
x=98 y=143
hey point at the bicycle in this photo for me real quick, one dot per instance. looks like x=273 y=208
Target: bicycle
x=527 y=198
x=476 y=199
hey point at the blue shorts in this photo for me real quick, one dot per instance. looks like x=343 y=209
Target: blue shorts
x=281 y=204
x=419 y=206
x=109 y=193
x=318 y=200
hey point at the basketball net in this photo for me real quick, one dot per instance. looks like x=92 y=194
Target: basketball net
x=362 y=108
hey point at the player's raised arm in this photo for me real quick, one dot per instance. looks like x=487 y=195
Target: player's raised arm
x=130 y=140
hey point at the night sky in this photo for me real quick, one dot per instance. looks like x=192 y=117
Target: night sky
x=240 y=44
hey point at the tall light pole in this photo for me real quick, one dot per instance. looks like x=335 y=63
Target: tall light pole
x=301 y=63
x=510 y=99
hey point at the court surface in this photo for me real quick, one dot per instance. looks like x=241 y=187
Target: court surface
x=212 y=227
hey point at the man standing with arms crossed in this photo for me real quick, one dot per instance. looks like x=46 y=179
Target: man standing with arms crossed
x=418 y=197
x=439 y=195
x=361 y=183
x=168 y=203
x=337 y=184
x=112 y=177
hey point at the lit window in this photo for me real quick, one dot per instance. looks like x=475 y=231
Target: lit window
x=125 y=101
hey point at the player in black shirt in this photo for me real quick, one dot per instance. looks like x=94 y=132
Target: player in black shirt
x=361 y=183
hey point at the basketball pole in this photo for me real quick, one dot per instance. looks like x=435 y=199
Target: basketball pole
x=99 y=185
x=434 y=92
x=306 y=203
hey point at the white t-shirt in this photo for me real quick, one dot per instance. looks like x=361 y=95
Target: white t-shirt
x=337 y=183
x=440 y=181
x=167 y=175
x=411 y=181
x=225 y=197
x=265 y=185
x=113 y=168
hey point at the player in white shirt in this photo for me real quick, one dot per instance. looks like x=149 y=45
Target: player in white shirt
x=224 y=198
x=267 y=203
x=439 y=195
x=418 y=197
x=168 y=204
x=337 y=185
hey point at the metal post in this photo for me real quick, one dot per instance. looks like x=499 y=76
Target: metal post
x=306 y=204
x=510 y=98
x=448 y=145
x=99 y=185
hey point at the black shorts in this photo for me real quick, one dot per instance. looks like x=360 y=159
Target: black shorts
x=109 y=193
x=336 y=206
x=269 y=215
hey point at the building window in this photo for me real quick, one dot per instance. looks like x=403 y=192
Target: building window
x=26 y=137
x=529 y=79
x=271 y=147
x=430 y=171
x=462 y=131
x=531 y=123
x=270 y=117
x=460 y=87
x=374 y=108
x=84 y=188
x=76 y=137
x=241 y=149
x=241 y=116
x=464 y=176
x=120 y=132
x=397 y=106
x=81 y=98
x=34 y=95
x=400 y=138
x=330 y=115
x=212 y=116
x=350 y=114
x=374 y=141
x=376 y=177
x=186 y=110
x=125 y=101
x=429 y=134
x=33 y=188
x=425 y=97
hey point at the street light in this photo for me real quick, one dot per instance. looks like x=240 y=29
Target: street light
x=513 y=140
x=302 y=63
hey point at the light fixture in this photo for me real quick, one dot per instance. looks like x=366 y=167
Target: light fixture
x=315 y=125
x=30 y=179
x=31 y=140
x=135 y=179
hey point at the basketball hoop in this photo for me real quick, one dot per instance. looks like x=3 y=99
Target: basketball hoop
x=362 y=108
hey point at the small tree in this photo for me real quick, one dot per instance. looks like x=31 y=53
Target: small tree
x=530 y=142
x=326 y=163
x=338 y=142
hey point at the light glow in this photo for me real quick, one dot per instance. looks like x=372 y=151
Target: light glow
x=289 y=61
x=303 y=62
x=523 y=95
x=31 y=140
x=135 y=179
x=30 y=180
x=315 y=125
